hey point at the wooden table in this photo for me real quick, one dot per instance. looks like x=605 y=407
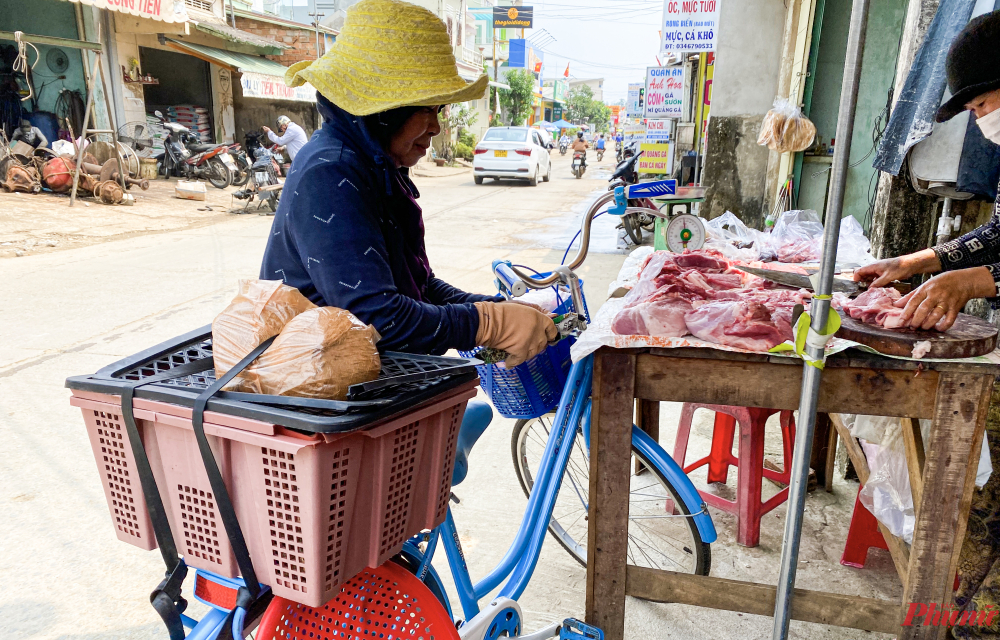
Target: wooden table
x=955 y=395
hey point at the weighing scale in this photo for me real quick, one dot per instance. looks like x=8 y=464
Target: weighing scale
x=675 y=233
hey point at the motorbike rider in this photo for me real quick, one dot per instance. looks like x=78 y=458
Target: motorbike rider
x=349 y=232
x=581 y=145
x=564 y=140
x=30 y=135
x=599 y=145
x=290 y=135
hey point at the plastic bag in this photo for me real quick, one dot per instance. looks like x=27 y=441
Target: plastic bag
x=260 y=310
x=853 y=248
x=728 y=235
x=785 y=129
x=318 y=354
x=797 y=236
x=887 y=493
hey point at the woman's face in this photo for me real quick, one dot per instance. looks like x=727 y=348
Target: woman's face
x=409 y=144
x=984 y=104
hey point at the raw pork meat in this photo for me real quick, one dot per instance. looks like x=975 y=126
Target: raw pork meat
x=658 y=317
x=800 y=251
x=742 y=323
x=874 y=306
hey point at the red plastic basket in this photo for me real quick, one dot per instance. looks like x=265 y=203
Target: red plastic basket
x=387 y=603
x=315 y=510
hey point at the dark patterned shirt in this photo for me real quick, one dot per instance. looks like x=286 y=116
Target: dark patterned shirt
x=978 y=248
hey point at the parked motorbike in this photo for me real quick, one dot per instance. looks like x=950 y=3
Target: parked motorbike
x=185 y=157
x=242 y=172
x=626 y=173
x=579 y=163
x=618 y=152
x=562 y=148
x=262 y=181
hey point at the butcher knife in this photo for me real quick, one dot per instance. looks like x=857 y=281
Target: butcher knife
x=799 y=281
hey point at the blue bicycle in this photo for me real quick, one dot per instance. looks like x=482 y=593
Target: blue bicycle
x=669 y=525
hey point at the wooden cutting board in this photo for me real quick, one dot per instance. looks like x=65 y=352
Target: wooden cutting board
x=968 y=337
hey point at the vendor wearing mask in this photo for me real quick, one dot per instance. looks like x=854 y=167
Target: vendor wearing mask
x=349 y=232
x=971 y=263
x=971 y=269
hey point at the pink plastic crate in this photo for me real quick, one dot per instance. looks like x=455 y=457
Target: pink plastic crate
x=315 y=510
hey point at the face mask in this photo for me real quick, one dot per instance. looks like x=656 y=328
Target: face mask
x=990 y=126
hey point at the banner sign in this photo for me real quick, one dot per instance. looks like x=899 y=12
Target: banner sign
x=664 y=92
x=656 y=158
x=162 y=10
x=633 y=104
x=258 y=85
x=633 y=133
x=513 y=17
x=658 y=131
x=689 y=26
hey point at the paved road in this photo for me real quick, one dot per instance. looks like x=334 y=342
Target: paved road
x=74 y=311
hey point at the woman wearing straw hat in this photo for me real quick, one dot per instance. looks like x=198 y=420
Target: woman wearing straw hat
x=349 y=232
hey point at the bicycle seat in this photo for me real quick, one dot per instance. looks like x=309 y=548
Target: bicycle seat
x=478 y=416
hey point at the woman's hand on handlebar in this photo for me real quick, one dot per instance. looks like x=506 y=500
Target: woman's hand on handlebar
x=881 y=273
x=518 y=329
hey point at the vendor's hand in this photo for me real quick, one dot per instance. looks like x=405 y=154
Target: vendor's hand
x=516 y=328
x=265 y=129
x=881 y=273
x=937 y=303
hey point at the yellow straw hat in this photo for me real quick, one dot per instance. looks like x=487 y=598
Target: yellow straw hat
x=389 y=54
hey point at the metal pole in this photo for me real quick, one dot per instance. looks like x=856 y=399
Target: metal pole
x=818 y=310
x=232 y=13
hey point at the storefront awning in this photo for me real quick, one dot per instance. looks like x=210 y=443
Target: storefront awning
x=162 y=10
x=262 y=78
x=261 y=45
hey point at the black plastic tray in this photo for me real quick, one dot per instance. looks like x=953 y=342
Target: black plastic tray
x=406 y=380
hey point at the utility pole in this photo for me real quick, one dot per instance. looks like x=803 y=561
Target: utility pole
x=315 y=15
x=232 y=13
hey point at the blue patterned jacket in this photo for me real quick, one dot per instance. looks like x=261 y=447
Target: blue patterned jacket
x=348 y=233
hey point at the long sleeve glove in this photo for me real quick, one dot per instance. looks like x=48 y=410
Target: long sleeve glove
x=517 y=329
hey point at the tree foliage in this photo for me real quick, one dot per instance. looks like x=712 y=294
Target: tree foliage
x=454 y=118
x=516 y=102
x=581 y=107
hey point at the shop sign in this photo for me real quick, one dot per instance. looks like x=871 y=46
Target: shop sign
x=513 y=17
x=633 y=104
x=258 y=85
x=689 y=26
x=557 y=112
x=162 y=10
x=656 y=158
x=658 y=130
x=664 y=92
x=633 y=133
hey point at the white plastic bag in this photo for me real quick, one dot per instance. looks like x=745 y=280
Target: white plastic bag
x=785 y=129
x=853 y=248
x=887 y=493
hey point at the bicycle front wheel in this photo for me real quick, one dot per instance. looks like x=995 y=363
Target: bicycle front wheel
x=656 y=539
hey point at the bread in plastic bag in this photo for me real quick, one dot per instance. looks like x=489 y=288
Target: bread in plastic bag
x=785 y=129
x=318 y=354
x=260 y=310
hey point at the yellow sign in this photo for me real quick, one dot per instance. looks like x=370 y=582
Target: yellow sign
x=513 y=17
x=656 y=158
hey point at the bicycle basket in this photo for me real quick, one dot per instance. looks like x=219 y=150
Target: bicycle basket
x=533 y=388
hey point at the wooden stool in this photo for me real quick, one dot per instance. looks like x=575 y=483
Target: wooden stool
x=748 y=506
x=862 y=535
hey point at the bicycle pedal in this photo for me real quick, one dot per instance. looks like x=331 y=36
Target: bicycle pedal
x=573 y=629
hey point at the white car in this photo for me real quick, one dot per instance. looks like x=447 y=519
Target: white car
x=546 y=137
x=511 y=153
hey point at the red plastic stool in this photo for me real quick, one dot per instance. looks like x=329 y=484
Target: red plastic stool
x=862 y=535
x=748 y=506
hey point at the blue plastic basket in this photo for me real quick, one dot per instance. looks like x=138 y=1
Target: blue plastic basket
x=533 y=388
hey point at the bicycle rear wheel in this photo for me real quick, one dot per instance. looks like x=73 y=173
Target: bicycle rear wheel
x=656 y=539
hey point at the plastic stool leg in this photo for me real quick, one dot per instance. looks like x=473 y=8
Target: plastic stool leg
x=751 y=476
x=683 y=433
x=862 y=535
x=787 y=419
x=721 y=456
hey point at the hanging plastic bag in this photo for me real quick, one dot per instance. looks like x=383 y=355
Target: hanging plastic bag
x=260 y=310
x=318 y=354
x=887 y=493
x=785 y=129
